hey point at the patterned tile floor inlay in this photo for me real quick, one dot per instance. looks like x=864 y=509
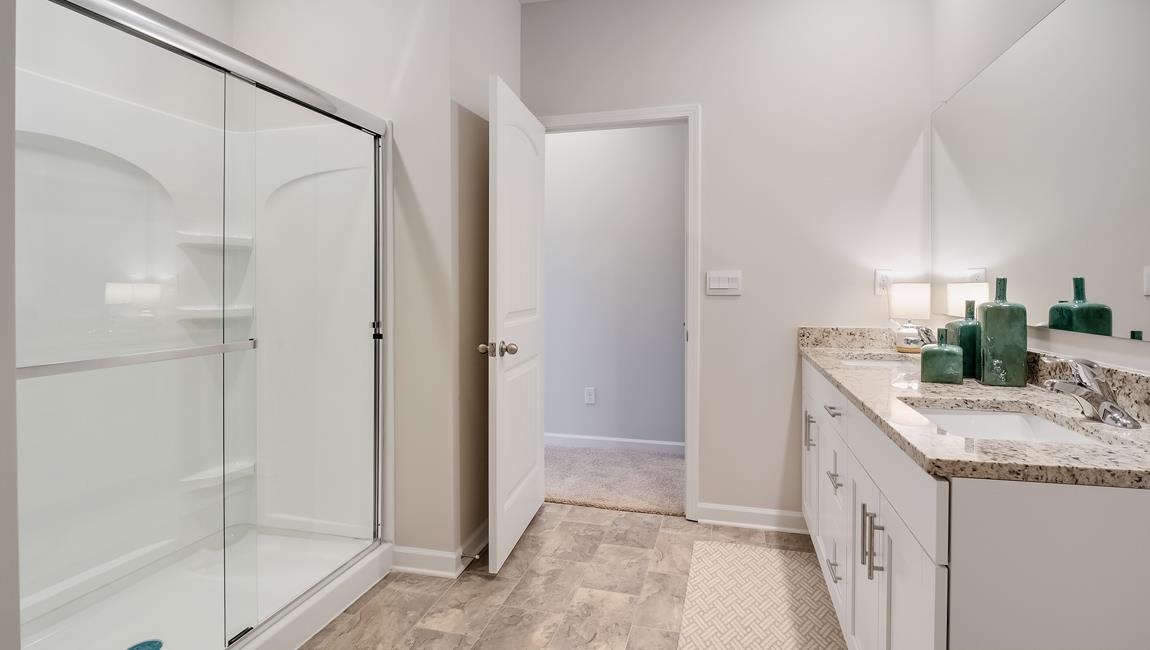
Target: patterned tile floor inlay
x=741 y=596
x=579 y=578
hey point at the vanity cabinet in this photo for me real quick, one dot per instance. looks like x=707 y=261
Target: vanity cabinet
x=888 y=589
x=919 y=562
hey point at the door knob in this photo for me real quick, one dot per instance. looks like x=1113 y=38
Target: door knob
x=509 y=348
x=486 y=349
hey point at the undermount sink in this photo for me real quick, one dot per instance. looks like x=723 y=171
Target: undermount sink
x=1000 y=425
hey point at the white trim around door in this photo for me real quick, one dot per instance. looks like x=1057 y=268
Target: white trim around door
x=691 y=114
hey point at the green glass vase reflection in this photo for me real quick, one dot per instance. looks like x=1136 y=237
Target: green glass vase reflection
x=1003 y=339
x=1081 y=315
x=942 y=363
x=967 y=334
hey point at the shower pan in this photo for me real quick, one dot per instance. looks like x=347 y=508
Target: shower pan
x=199 y=305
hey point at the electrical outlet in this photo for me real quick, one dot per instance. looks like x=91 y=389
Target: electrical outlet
x=589 y=395
x=976 y=275
x=882 y=280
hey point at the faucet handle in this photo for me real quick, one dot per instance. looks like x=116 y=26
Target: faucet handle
x=1085 y=372
x=927 y=335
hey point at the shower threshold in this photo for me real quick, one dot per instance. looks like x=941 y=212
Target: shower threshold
x=181 y=604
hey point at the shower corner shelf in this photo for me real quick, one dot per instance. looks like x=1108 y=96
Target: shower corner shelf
x=221 y=474
x=214 y=312
x=192 y=239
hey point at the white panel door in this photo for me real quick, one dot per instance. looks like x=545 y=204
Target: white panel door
x=515 y=447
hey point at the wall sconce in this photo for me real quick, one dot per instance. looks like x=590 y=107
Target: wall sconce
x=957 y=293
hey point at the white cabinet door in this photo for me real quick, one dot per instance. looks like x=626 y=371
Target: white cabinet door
x=810 y=467
x=866 y=560
x=915 y=598
x=834 y=514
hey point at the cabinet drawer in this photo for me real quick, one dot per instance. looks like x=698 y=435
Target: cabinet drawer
x=921 y=500
x=827 y=402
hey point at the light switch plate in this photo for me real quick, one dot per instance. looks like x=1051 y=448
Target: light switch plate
x=725 y=283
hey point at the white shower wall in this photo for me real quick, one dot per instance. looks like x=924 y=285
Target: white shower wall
x=134 y=181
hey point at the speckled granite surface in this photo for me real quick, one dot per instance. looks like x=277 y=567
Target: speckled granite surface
x=857 y=338
x=1121 y=459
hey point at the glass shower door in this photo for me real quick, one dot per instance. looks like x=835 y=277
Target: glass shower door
x=301 y=196
x=120 y=164
x=180 y=484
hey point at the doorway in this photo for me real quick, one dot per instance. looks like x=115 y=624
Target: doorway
x=616 y=242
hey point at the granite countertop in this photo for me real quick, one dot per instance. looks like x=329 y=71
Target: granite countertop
x=1121 y=460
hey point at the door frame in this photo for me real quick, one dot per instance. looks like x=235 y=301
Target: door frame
x=693 y=277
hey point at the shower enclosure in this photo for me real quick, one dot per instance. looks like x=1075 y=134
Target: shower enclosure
x=198 y=334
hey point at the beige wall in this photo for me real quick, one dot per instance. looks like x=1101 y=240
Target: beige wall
x=484 y=39
x=812 y=171
x=969 y=34
x=9 y=565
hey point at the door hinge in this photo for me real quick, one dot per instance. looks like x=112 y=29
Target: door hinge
x=376 y=328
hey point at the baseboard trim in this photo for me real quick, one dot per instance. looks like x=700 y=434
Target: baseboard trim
x=428 y=562
x=609 y=442
x=476 y=541
x=787 y=521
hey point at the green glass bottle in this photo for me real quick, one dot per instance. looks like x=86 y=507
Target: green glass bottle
x=1090 y=317
x=1061 y=316
x=1003 y=339
x=967 y=334
x=942 y=363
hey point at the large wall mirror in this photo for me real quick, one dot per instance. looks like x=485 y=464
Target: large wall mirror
x=1041 y=171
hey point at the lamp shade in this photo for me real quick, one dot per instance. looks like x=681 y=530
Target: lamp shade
x=957 y=293
x=910 y=300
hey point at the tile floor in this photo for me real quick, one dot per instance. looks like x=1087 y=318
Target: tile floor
x=579 y=578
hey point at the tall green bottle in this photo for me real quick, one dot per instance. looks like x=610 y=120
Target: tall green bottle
x=941 y=363
x=967 y=334
x=1082 y=315
x=1003 y=339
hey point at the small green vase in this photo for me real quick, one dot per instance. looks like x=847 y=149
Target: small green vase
x=1136 y=335
x=942 y=363
x=967 y=334
x=1081 y=315
x=1003 y=340
x=1061 y=316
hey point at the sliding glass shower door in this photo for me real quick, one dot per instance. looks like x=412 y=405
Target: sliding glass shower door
x=196 y=287
x=301 y=192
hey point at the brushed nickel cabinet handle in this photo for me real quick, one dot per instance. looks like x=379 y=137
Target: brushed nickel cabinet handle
x=834 y=479
x=871 y=567
x=831 y=568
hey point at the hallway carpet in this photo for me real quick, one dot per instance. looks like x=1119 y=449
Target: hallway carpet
x=616 y=479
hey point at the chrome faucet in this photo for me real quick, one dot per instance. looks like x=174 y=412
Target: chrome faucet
x=1093 y=393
